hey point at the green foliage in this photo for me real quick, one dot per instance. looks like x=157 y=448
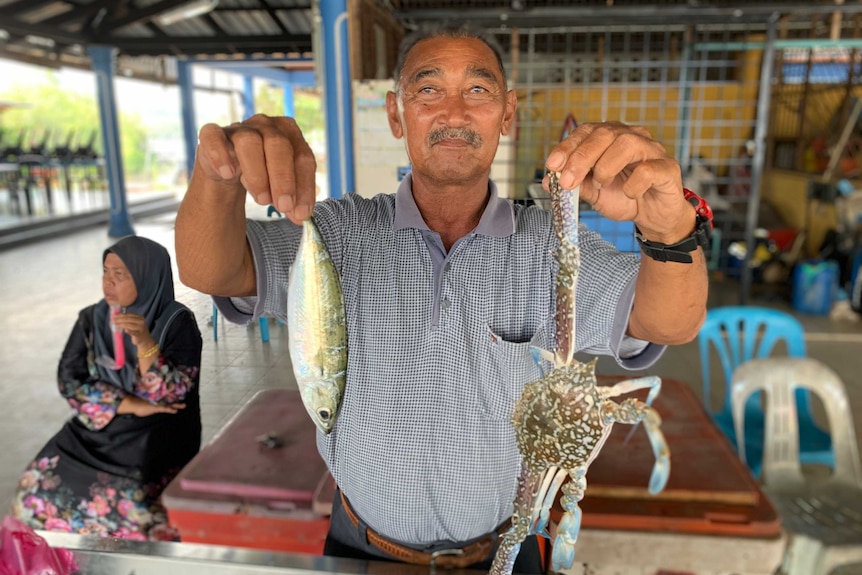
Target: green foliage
x=59 y=114
x=308 y=106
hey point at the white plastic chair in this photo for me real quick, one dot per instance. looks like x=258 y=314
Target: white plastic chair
x=823 y=516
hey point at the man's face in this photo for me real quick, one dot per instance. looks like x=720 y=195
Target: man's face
x=451 y=109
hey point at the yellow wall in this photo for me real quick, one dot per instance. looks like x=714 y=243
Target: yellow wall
x=787 y=192
x=657 y=109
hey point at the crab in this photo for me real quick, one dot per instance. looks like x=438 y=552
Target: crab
x=563 y=419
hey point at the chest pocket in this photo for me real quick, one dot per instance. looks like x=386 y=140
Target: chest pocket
x=508 y=368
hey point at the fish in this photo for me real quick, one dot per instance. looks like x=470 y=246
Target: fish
x=317 y=329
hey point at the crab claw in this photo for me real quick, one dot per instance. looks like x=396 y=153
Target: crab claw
x=661 y=469
x=660 y=474
x=563 y=555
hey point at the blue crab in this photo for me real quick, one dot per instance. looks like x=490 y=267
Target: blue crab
x=562 y=420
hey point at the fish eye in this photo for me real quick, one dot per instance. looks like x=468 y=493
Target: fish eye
x=324 y=414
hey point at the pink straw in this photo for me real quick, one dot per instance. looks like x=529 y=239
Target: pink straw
x=119 y=347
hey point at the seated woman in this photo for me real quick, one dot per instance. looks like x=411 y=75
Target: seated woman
x=138 y=409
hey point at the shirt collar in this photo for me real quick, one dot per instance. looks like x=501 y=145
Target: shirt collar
x=498 y=219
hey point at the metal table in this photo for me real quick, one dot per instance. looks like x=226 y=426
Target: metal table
x=102 y=556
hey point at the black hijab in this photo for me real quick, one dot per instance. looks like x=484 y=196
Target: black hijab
x=150 y=267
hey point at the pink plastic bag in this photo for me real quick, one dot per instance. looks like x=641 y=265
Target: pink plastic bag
x=23 y=552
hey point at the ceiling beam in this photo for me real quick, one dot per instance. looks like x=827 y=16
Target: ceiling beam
x=629 y=14
x=16 y=27
x=274 y=16
x=219 y=31
x=213 y=44
x=133 y=16
x=22 y=7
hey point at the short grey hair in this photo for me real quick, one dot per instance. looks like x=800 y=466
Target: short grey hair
x=454 y=31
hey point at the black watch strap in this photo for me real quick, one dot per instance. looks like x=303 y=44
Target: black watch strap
x=680 y=252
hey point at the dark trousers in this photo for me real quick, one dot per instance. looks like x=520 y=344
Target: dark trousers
x=345 y=540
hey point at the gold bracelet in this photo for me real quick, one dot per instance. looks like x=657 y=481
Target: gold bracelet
x=150 y=352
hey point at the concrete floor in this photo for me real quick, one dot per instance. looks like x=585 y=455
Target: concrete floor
x=46 y=283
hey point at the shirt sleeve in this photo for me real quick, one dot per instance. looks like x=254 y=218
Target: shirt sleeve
x=274 y=244
x=95 y=401
x=176 y=370
x=605 y=294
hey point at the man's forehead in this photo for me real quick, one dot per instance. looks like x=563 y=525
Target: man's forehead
x=439 y=56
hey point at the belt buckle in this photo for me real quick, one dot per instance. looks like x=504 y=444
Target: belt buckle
x=443 y=552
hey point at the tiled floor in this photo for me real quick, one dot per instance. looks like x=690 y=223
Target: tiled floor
x=45 y=284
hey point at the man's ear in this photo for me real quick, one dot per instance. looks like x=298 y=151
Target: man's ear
x=392 y=115
x=509 y=115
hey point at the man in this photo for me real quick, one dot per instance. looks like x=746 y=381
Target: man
x=446 y=286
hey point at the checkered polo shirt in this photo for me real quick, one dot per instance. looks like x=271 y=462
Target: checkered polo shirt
x=438 y=351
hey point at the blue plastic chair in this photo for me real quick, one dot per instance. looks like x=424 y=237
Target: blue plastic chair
x=743 y=333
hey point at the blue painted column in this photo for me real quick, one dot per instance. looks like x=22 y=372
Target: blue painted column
x=103 y=59
x=289 y=104
x=336 y=91
x=247 y=97
x=187 y=109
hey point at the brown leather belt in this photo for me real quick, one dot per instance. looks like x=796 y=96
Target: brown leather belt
x=456 y=558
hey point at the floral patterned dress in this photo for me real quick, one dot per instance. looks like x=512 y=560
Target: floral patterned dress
x=103 y=472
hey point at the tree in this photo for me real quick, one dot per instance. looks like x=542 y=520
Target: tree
x=55 y=117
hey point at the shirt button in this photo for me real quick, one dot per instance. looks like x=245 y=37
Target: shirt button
x=448 y=267
x=446 y=304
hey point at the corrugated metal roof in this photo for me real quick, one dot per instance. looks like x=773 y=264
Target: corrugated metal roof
x=237 y=27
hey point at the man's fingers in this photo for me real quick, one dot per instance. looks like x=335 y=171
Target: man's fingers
x=661 y=175
x=248 y=146
x=268 y=156
x=602 y=151
x=215 y=153
x=625 y=151
x=296 y=198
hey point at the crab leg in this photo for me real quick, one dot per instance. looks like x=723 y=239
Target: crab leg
x=563 y=554
x=564 y=209
x=632 y=411
x=554 y=478
x=510 y=542
x=651 y=382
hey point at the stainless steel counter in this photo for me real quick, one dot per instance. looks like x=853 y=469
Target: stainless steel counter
x=102 y=556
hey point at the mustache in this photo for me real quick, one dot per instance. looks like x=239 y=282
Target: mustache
x=466 y=134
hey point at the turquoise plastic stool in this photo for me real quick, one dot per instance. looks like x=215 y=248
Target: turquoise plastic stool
x=264 y=326
x=752 y=333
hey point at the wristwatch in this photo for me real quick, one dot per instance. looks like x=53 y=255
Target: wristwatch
x=680 y=252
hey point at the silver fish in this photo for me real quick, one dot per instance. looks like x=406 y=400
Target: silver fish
x=317 y=329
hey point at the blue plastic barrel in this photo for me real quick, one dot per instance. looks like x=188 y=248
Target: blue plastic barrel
x=815 y=283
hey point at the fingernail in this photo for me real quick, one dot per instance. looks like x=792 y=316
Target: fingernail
x=303 y=211
x=284 y=204
x=555 y=160
x=226 y=172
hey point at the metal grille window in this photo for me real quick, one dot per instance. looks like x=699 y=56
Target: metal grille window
x=685 y=84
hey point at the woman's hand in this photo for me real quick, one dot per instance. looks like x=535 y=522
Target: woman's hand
x=136 y=406
x=136 y=326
